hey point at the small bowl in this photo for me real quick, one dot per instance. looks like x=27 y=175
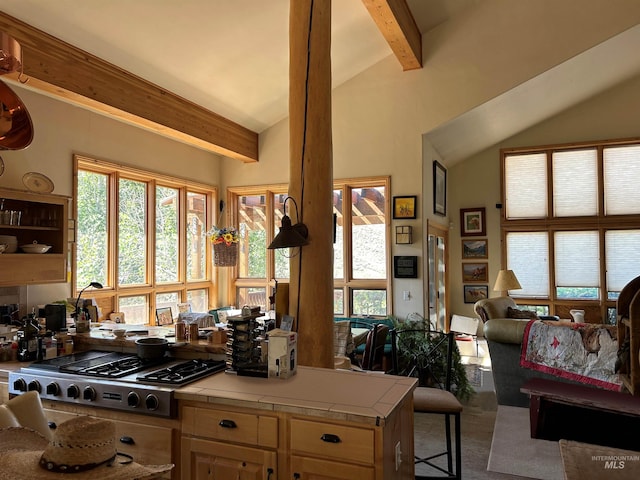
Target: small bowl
x=119 y=332
x=35 y=248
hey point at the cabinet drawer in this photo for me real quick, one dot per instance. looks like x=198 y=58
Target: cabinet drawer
x=151 y=444
x=231 y=426
x=332 y=441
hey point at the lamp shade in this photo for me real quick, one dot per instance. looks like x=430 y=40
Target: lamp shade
x=290 y=235
x=506 y=281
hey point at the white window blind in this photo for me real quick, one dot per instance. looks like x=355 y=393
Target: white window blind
x=622 y=180
x=526 y=186
x=575 y=183
x=577 y=259
x=622 y=249
x=528 y=257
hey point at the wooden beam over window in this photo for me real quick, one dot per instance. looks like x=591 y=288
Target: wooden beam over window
x=64 y=71
x=395 y=21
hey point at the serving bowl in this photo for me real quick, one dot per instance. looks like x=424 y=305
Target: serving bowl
x=11 y=242
x=35 y=247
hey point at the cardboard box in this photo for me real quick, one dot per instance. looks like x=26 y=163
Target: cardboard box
x=283 y=353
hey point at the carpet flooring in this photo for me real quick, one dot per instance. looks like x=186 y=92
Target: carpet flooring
x=515 y=455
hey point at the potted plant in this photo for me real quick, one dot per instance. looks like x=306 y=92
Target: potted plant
x=423 y=354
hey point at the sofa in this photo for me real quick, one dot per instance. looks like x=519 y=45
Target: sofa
x=504 y=339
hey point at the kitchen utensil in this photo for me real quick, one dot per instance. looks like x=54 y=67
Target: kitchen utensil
x=119 y=332
x=152 y=348
x=11 y=242
x=16 y=128
x=37 y=182
x=35 y=247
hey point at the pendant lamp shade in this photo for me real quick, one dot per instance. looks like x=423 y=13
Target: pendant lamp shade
x=290 y=235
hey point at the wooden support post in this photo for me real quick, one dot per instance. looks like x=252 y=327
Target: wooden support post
x=311 y=178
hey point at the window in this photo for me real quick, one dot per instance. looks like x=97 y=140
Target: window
x=570 y=224
x=142 y=235
x=361 y=248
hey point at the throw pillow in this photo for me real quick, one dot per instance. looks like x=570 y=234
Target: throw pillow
x=515 y=313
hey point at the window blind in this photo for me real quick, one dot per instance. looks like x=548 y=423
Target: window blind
x=575 y=183
x=622 y=180
x=577 y=259
x=528 y=257
x=622 y=250
x=526 y=186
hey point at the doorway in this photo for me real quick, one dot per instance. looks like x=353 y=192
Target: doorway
x=436 y=293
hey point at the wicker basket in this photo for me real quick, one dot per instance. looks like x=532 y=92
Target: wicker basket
x=225 y=255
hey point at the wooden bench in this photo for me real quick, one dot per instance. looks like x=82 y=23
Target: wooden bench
x=582 y=413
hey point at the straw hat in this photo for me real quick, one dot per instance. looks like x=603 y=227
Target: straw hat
x=82 y=448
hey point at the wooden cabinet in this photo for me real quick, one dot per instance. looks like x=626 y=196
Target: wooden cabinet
x=147 y=439
x=43 y=219
x=205 y=459
x=331 y=451
x=226 y=443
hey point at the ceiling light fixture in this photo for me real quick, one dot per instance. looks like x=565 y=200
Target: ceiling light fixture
x=10 y=56
x=290 y=235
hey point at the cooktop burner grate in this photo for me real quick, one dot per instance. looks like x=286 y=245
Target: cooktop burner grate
x=183 y=372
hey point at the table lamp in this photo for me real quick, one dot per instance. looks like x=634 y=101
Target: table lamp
x=92 y=284
x=506 y=281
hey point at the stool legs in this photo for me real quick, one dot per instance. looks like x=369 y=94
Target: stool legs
x=449 y=472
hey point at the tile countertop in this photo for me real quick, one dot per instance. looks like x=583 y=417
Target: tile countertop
x=340 y=394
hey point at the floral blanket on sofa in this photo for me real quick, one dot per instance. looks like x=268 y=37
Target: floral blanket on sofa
x=581 y=352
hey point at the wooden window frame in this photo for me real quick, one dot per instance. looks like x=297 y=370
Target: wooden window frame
x=108 y=298
x=346 y=284
x=550 y=224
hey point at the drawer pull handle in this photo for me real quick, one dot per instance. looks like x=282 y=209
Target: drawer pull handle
x=330 y=438
x=52 y=425
x=227 y=424
x=127 y=440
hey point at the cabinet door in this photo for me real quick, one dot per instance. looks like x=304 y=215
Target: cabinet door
x=305 y=468
x=208 y=460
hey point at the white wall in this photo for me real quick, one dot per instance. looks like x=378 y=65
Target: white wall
x=61 y=130
x=475 y=182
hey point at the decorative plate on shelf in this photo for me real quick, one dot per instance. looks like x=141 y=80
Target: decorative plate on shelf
x=37 y=182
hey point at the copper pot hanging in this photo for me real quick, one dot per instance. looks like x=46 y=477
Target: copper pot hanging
x=16 y=128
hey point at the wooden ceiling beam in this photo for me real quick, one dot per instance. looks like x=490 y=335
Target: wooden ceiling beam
x=64 y=71
x=395 y=21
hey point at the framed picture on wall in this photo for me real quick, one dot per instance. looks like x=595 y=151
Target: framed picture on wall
x=473 y=293
x=439 y=189
x=475 y=248
x=475 y=272
x=405 y=267
x=472 y=222
x=404 y=207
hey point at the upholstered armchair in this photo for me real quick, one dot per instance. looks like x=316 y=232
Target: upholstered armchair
x=504 y=339
x=490 y=308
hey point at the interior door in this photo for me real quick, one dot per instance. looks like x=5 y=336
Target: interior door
x=437 y=276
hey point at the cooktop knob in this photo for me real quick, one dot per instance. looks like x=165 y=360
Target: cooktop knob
x=20 y=385
x=53 y=389
x=133 y=399
x=34 y=385
x=89 y=394
x=73 y=391
x=151 y=402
